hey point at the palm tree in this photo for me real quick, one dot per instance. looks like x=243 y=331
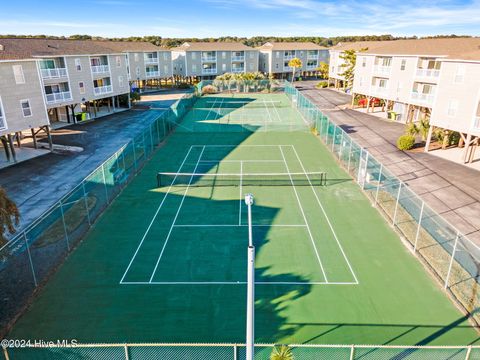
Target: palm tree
x=294 y=64
x=9 y=215
x=282 y=352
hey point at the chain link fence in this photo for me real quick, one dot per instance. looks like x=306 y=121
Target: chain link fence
x=28 y=259
x=237 y=352
x=449 y=254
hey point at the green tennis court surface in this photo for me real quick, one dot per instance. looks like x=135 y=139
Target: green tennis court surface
x=167 y=261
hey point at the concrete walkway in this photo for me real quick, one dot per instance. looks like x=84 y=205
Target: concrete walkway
x=451 y=189
x=35 y=185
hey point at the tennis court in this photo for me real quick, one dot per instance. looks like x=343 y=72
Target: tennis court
x=167 y=262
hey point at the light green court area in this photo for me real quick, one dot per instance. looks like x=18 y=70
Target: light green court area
x=168 y=263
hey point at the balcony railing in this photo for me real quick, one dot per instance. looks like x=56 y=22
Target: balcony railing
x=209 y=58
x=430 y=73
x=151 y=60
x=476 y=124
x=209 y=71
x=312 y=56
x=382 y=69
x=103 y=90
x=153 y=73
x=59 y=97
x=53 y=73
x=423 y=98
x=99 y=69
x=289 y=57
x=379 y=90
x=238 y=58
x=238 y=70
x=312 y=67
x=3 y=124
x=287 y=68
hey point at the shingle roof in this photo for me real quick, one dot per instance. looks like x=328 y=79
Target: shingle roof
x=17 y=49
x=358 y=45
x=212 y=46
x=452 y=48
x=290 y=46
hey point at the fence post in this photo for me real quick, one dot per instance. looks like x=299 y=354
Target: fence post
x=134 y=155
x=64 y=224
x=349 y=156
x=105 y=182
x=451 y=260
x=86 y=202
x=5 y=353
x=352 y=352
x=396 y=205
x=469 y=350
x=125 y=347
x=30 y=258
x=419 y=225
x=333 y=139
x=235 y=352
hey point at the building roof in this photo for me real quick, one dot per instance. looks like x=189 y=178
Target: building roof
x=358 y=45
x=212 y=46
x=451 y=48
x=18 y=48
x=290 y=46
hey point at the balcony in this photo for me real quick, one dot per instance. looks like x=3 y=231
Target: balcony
x=238 y=58
x=312 y=67
x=423 y=99
x=287 y=68
x=153 y=73
x=209 y=71
x=428 y=73
x=58 y=97
x=382 y=69
x=288 y=57
x=312 y=56
x=103 y=90
x=380 y=91
x=238 y=69
x=151 y=61
x=209 y=58
x=53 y=73
x=100 y=69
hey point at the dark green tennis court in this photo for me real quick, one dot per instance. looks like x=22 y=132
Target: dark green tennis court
x=167 y=261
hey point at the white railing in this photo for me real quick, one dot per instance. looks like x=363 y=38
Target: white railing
x=379 y=90
x=238 y=70
x=287 y=68
x=312 y=56
x=312 y=67
x=209 y=71
x=103 y=90
x=151 y=60
x=58 y=97
x=476 y=124
x=238 y=58
x=99 y=69
x=153 y=73
x=288 y=57
x=430 y=73
x=209 y=58
x=53 y=73
x=382 y=69
x=423 y=98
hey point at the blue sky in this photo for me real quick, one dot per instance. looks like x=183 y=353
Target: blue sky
x=213 y=18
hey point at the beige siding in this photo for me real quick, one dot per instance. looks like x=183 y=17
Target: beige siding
x=11 y=94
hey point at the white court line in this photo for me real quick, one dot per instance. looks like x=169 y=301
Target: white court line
x=326 y=216
x=244 y=145
x=304 y=217
x=235 y=283
x=175 y=218
x=236 y=225
x=154 y=217
x=240 y=197
x=210 y=110
x=236 y=161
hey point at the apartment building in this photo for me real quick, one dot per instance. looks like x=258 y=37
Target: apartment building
x=437 y=79
x=147 y=64
x=210 y=59
x=336 y=62
x=274 y=57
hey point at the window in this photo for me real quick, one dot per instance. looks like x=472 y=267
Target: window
x=364 y=61
x=194 y=67
x=78 y=64
x=137 y=70
x=277 y=54
x=333 y=69
x=251 y=66
x=460 y=74
x=118 y=60
x=404 y=63
x=165 y=69
x=165 y=56
x=276 y=66
x=18 y=73
x=360 y=81
x=81 y=86
x=452 y=107
x=136 y=57
x=224 y=67
x=3 y=123
x=120 y=81
x=252 y=55
x=224 y=55
x=25 y=104
x=194 y=56
x=399 y=87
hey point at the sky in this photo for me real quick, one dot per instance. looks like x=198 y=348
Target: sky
x=214 y=18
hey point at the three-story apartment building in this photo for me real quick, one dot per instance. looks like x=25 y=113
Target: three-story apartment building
x=275 y=56
x=208 y=60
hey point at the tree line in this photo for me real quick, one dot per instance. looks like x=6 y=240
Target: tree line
x=252 y=41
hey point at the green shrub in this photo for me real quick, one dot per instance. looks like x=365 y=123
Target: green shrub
x=406 y=142
x=134 y=96
x=183 y=86
x=282 y=352
x=322 y=84
x=209 y=89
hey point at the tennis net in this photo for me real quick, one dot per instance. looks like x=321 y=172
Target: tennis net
x=244 y=179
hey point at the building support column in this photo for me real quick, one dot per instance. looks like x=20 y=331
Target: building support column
x=353 y=100
x=129 y=101
x=467 y=148
x=429 y=138
x=4 y=141
x=34 y=138
x=113 y=103
x=12 y=147
x=50 y=143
